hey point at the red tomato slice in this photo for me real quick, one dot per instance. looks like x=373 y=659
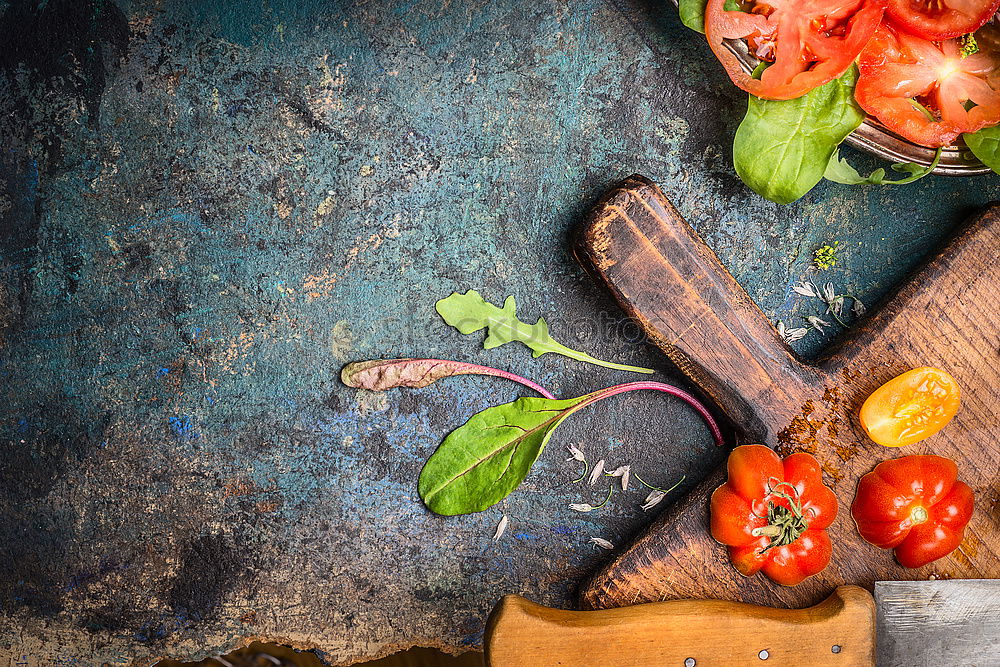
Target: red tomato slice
x=901 y=72
x=941 y=19
x=808 y=42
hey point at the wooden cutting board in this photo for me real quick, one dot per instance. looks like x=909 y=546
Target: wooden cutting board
x=947 y=315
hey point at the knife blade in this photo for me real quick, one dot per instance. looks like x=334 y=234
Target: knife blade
x=938 y=623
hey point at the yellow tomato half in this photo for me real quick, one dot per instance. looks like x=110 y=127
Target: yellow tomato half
x=911 y=407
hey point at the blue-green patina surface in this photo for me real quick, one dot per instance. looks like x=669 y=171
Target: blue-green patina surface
x=206 y=208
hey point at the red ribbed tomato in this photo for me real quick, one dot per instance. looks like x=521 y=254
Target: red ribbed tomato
x=773 y=514
x=808 y=42
x=914 y=505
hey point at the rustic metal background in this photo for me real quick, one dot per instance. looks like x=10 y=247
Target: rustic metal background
x=207 y=207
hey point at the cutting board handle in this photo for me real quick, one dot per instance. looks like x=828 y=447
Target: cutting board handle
x=840 y=631
x=677 y=290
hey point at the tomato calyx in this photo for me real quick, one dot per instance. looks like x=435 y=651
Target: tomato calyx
x=784 y=523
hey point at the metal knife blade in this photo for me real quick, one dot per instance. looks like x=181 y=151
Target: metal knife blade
x=938 y=623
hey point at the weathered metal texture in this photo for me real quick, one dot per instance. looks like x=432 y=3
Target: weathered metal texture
x=208 y=207
x=928 y=623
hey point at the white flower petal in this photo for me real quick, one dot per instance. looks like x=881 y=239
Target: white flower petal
x=793 y=335
x=576 y=454
x=501 y=527
x=581 y=507
x=817 y=323
x=653 y=499
x=601 y=542
x=596 y=472
x=625 y=477
x=805 y=289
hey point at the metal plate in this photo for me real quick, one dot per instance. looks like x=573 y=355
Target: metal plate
x=873 y=137
x=937 y=623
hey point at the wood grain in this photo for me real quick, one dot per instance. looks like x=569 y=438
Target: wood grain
x=666 y=278
x=937 y=623
x=839 y=631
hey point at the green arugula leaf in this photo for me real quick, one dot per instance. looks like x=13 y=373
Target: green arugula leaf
x=840 y=171
x=782 y=147
x=481 y=462
x=985 y=145
x=469 y=313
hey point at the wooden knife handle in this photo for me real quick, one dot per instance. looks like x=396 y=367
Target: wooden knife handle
x=840 y=631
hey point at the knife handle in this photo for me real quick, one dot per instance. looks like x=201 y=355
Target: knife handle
x=668 y=281
x=840 y=631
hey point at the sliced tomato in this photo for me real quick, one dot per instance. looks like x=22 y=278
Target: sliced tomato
x=808 y=42
x=941 y=19
x=911 y=407
x=926 y=91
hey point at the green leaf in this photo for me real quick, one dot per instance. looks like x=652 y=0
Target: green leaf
x=969 y=45
x=482 y=462
x=692 y=13
x=985 y=145
x=470 y=313
x=839 y=171
x=782 y=147
x=915 y=171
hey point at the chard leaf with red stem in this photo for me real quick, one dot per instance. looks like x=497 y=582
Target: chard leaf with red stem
x=482 y=462
x=383 y=374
